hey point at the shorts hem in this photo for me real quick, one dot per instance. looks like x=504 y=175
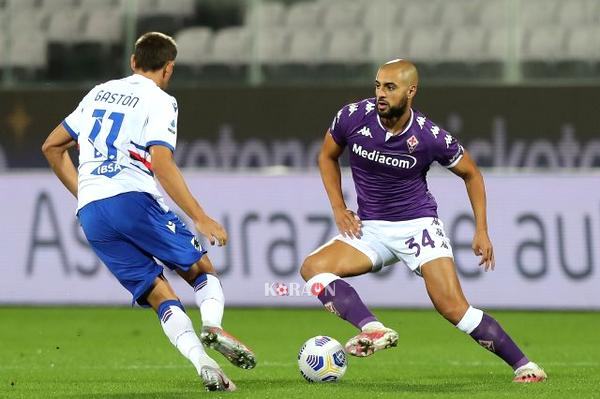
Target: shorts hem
x=147 y=286
x=365 y=249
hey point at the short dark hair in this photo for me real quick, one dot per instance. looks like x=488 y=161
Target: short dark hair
x=153 y=50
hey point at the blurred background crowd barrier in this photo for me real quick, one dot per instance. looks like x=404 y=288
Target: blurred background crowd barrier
x=258 y=83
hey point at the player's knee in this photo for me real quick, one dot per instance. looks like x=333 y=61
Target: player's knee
x=452 y=310
x=312 y=266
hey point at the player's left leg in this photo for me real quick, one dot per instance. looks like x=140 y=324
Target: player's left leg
x=448 y=299
x=211 y=301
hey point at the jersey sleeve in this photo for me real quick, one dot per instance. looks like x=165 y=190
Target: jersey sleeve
x=339 y=126
x=447 y=151
x=75 y=120
x=161 y=128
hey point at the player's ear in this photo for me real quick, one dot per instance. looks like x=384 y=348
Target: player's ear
x=132 y=62
x=412 y=91
x=168 y=69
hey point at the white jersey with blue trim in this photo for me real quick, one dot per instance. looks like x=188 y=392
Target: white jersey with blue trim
x=114 y=125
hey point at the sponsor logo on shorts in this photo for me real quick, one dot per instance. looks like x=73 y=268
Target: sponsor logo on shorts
x=171 y=226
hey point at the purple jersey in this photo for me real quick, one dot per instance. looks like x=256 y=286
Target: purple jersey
x=389 y=170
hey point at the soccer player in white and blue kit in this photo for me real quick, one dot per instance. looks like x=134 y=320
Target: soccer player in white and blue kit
x=126 y=130
x=391 y=148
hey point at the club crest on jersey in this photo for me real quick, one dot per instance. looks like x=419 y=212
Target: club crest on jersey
x=412 y=143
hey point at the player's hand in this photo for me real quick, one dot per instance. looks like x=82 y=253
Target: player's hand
x=348 y=222
x=213 y=231
x=482 y=246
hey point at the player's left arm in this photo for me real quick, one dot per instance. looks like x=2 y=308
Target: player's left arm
x=56 y=150
x=469 y=172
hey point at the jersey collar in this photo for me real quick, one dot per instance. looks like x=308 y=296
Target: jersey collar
x=389 y=134
x=136 y=77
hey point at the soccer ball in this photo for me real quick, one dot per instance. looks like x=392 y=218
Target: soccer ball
x=322 y=359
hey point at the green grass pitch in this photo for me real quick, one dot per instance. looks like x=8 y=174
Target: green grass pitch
x=122 y=353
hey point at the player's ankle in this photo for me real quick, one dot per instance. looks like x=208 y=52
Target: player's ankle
x=208 y=324
x=373 y=325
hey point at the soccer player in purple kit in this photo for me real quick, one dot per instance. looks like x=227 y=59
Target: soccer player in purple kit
x=391 y=149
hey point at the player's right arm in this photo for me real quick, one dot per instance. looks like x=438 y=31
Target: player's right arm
x=56 y=150
x=170 y=178
x=347 y=222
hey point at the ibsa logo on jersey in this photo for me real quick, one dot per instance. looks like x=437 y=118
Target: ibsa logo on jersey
x=108 y=169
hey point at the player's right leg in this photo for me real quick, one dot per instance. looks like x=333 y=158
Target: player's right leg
x=180 y=331
x=211 y=301
x=323 y=271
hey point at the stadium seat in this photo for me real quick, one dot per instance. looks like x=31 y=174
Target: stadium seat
x=417 y=14
x=306 y=47
x=540 y=49
x=581 y=57
x=458 y=13
x=379 y=14
x=303 y=15
x=535 y=13
x=13 y=5
x=338 y=15
x=65 y=26
x=90 y=5
x=347 y=46
x=266 y=15
x=27 y=22
x=52 y=6
x=492 y=14
x=146 y=7
x=103 y=26
x=427 y=44
x=346 y=55
x=176 y=8
x=466 y=44
x=28 y=53
x=427 y=47
x=575 y=13
x=231 y=46
x=193 y=46
x=303 y=58
x=272 y=46
x=465 y=56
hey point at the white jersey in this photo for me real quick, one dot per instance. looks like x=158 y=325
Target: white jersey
x=114 y=125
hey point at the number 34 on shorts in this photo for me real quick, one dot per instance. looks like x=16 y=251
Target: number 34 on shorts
x=414 y=242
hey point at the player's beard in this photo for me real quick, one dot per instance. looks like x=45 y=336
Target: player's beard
x=394 y=112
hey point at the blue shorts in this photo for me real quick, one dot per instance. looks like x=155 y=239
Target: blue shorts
x=129 y=231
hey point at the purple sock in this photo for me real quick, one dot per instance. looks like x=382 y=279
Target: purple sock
x=492 y=337
x=340 y=298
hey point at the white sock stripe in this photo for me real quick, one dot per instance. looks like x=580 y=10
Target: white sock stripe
x=470 y=320
x=322 y=278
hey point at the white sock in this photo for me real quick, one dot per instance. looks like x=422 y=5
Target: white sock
x=372 y=325
x=470 y=320
x=318 y=282
x=210 y=300
x=180 y=331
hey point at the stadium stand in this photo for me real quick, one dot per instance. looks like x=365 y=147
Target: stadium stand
x=449 y=39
